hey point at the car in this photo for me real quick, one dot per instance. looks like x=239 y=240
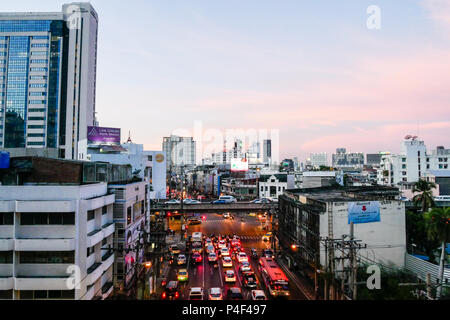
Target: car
x=182 y=275
x=275 y=200
x=267 y=253
x=210 y=248
x=245 y=266
x=226 y=215
x=215 y=294
x=181 y=259
x=222 y=244
x=258 y=295
x=230 y=276
x=196 y=293
x=196 y=257
x=212 y=257
x=262 y=201
x=173 y=249
x=208 y=242
x=254 y=253
x=187 y=201
x=227 y=262
x=225 y=252
x=193 y=201
x=234 y=293
x=249 y=279
x=218 y=202
x=171 y=291
x=252 y=214
x=235 y=242
x=173 y=201
x=228 y=199
x=242 y=256
x=267 y=236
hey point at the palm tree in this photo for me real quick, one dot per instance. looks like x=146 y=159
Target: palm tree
x=438 y=227
x=425 y=196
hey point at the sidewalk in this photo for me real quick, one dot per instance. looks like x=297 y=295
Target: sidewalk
x=300 y=283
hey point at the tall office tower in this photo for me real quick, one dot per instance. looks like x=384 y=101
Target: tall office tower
x=319 y=159
x=180 y=151
x=267 y=151
x=48 y=65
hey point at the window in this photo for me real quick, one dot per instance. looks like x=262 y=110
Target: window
x=39 y=45
x=149 y=158
x=91 y=215
x=129 y=215
x=46 y=294
x=6 y=218
x=6 y=257
x=47 y=257
x=104 y=210
x=39 y=61
x=53 y=218
x=90 y=251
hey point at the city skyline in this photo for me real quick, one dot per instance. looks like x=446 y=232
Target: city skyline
x=325 y=83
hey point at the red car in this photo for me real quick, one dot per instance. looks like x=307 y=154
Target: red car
x=197 y=257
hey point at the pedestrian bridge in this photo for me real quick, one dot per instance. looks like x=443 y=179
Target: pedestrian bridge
x=209 y=207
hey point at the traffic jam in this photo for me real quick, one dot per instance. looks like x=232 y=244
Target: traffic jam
x=218 y=267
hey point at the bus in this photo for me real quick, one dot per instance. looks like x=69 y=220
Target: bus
x=273 y=277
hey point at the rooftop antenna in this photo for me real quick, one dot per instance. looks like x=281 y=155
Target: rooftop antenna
x=129 y=137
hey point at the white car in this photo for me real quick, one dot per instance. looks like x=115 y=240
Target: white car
x=242 y=256
x=258 y=295
x=173 y=201
x=230 y=276
x=196 y=293
x=215 y=294
x=245 y=266
x=227 y=262
x=181 y=259
x=212 y=257
x=222 y=244
x=225 y=251
x=228 y=199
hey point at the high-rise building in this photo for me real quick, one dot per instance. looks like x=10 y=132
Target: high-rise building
x=267 y=151
x=319 y=159
x=48 y=65
x=342 y=159
x=180 y=151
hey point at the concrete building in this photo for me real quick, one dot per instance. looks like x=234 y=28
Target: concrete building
x=272 y=185
x=342 y=159
x=373 y=159
x=316 y=160
x=412 y=163
x=315 y=179
x=52 y=221
x=48 y=64
x=180 y=151
x=308 y=215
x=442 y=179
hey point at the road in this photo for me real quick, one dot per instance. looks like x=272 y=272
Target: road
x=206 y=276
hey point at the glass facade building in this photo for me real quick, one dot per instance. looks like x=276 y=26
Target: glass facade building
x=32 y=96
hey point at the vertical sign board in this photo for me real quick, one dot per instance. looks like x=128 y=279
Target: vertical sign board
x=363 y=212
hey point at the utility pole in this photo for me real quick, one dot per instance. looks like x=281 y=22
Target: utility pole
x=325 y=289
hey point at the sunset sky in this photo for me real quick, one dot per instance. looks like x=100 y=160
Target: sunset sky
x=311 y=69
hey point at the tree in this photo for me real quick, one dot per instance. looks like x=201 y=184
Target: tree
x=425 y=196
x=416 y=233
x=438 y=227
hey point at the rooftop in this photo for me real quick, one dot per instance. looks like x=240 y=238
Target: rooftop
x=344 y=194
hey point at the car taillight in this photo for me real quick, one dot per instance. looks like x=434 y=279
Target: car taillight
x=177 y=294
x=164 y=295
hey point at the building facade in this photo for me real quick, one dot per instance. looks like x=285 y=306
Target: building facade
x=180 y=151
x=272 y=186
x=48 y=65
x=342 y=159
x=318 y=159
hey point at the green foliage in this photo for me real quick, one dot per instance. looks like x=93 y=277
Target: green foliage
x=390 y=288
x=438 y=224
x=417 y=233
x=424 y=198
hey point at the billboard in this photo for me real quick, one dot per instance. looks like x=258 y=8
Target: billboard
x=363 y=212
x=238 y=165
x=103 y=135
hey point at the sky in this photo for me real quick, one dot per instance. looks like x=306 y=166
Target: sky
x=310 y=69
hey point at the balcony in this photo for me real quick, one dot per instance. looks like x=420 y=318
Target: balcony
x=107 y=289
x=94 y=272
x=90 y=292
x=44 y=244
x=107 y=260
x=6 y=283
x=94 y=237
x=108 y=229
x=40 y=283
x=6 y=244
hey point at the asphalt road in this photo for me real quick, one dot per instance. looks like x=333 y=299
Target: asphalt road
x=206 y=276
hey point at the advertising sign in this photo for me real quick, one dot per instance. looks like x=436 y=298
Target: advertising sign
x=132 y=237
x=102 y=135
x=363 y=212
x=239 y=165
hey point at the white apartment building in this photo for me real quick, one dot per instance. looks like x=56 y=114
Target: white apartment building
x=48 y=65
x=318 y=159
x=47 y=229
x=412 y=163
